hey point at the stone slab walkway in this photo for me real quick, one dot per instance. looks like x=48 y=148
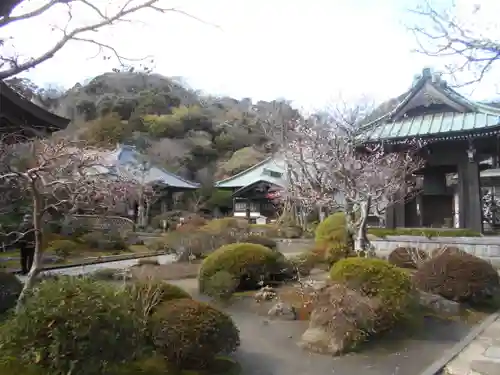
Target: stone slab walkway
x=481 y=356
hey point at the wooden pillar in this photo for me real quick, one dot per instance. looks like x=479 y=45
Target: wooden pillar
x=469 y=190
x=248 y=210
x=400 y=209
x=419 y=206
x=168 y=201
x=390 y=217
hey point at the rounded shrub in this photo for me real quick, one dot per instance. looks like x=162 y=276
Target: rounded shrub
x=10 y=289
x=407 y=257
x=249 y=263
x=104 y=241
x=190 y=334
x=458 y=277
x=224 y=224
x=291 y=231
x=333 y=238
x=378 y=278
x=156 y=292
x=65 y=324
x=333 y=229
x=62 y=248
x=262 y=240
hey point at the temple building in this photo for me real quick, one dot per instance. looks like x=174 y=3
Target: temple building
x=21 y=119
x=256 y=188
x=127 y=161
x=462 y=142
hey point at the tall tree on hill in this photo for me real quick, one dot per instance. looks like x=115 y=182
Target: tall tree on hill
x=101 y=14
x=462 y=33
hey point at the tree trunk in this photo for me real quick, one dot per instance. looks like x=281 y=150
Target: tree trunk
x=141 y=214
x=147 y=212
x=37 y=259
x=361 y=243
x=322 y=214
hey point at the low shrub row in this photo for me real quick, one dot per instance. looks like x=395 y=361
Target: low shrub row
x=424 y=232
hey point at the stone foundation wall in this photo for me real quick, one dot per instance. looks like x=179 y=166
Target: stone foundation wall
x=487 y=248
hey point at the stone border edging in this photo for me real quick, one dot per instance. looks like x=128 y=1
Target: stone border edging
x=100 y=260
x=439 y=364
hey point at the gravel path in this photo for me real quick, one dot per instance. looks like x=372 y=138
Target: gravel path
x=271 y=349
x=90 y=268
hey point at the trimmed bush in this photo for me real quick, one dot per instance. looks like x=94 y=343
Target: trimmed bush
x=407 y=257
x=154 y=293
x=192 y=243
x=190 y=334
x=246 y=262
x=221 y=285
x=105 y=274
x=217 y=226
x=291 y=231
x=10 y=289
x=425 y=232
x=333 y=238
x=378 y=278
x=333 y=229
x=104 y=241
x=458 y=277
x=62 y=248
x=67 y=322
x=261 y=240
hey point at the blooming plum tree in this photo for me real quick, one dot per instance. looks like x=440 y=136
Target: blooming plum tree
x=330 y=166
x=62 y=176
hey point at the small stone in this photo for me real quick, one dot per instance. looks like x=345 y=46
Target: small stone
x=265 y=322
x=267 y=293
x=290 y=336
x=283 y=310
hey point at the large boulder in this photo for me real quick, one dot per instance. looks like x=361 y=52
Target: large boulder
x=438 y=304
x=341 y=320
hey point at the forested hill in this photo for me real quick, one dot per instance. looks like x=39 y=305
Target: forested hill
x=195 y=135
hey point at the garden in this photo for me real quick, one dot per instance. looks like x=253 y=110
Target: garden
x=240 y=306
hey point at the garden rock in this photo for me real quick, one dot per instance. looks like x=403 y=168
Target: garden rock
x=341 y=320
x=283 y=310
x=438 y=304
x=314 y=285
x=266 y=293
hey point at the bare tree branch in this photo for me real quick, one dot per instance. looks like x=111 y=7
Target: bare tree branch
x=12 y=65
x=63 y=176
x=469 y=40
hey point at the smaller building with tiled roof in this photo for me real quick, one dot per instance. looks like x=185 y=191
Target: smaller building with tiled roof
x=255 y=188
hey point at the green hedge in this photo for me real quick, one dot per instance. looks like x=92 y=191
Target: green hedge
x=425 y=232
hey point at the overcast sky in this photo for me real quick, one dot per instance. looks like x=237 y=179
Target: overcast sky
x=307 y=51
